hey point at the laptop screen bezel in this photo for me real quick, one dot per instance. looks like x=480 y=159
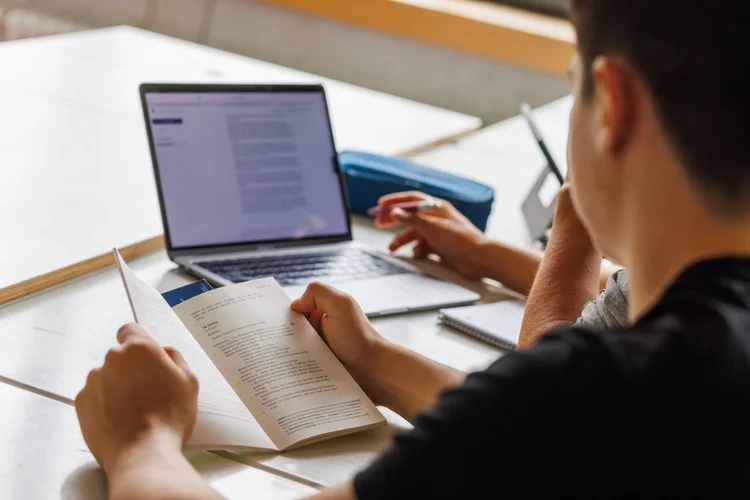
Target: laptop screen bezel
x=149 y=88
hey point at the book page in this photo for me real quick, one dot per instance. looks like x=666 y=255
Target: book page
x=223 y=420
x=277 y=363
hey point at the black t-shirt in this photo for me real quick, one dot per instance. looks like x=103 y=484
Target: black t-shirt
x=659 y=409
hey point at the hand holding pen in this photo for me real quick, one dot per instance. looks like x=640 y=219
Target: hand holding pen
x=436 y=229
x=408 y=207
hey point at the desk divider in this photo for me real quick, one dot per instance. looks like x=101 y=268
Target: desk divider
x=67 y=273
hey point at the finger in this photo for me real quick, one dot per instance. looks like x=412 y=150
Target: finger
x=93 y=378
x=80 y=402
x=394 y=198
x=391 y=217
x=315 y=319
x=403 y=238
x=178 y=358
x=321 y=331
x=317 y=296
x=133 y=331
x=445 y=262
x=385 y=221
x=422 y=250
x=386 y=218
x=90 y=391
x=386 y=203
x=420 y=220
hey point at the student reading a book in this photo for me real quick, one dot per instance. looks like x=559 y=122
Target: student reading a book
x=660 y=177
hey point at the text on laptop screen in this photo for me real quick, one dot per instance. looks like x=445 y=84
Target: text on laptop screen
x=245 y=167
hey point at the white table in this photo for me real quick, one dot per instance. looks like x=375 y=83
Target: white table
x=512 y=138
x=45 y=456
x=77 y=174
x=51 y=340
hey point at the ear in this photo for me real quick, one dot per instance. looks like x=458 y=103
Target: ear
x=615 y=104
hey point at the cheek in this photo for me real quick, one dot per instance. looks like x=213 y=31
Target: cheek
x=578 y=153
x=581 y=167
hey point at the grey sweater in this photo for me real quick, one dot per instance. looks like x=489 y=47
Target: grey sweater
x=610 y=309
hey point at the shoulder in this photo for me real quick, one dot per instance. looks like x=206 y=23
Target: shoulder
x=572 y=388
x=572 y=363
x=571 y=352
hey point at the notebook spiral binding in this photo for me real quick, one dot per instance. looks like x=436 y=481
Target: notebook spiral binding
x=476 y=333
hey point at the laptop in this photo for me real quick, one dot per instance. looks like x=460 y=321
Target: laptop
x=249 y=187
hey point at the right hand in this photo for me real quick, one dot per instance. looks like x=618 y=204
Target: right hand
x=442 y=231
x=341 y=323
x=144 y=398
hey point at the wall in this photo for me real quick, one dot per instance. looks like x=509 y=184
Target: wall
x=402 y=67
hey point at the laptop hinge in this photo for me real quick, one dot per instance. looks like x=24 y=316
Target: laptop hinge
x=256 y=247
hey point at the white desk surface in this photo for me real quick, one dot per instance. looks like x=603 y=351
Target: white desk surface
x=51 y=340
x=45 y=456
x=514 y=141
x=77 y=177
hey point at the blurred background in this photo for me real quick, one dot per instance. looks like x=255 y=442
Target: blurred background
x=403 y=47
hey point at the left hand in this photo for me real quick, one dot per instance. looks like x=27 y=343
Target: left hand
x=442 y=231
x=339 y=320
x=144 y=394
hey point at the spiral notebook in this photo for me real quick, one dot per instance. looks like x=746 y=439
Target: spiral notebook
x=498 y=324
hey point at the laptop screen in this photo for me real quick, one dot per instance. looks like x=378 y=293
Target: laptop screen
x=245 y=167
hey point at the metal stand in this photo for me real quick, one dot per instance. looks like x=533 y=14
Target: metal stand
x=538 y=215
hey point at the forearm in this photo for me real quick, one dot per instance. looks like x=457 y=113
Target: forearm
x=156 y=470
x=514 y=267
x=407 y=382
x=517 y=268
x=568 y=277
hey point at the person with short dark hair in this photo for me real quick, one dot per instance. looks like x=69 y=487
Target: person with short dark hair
x=659 y=182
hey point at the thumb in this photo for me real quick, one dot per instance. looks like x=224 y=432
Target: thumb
x=318 y=296
x=178 y=358
x=133 y=331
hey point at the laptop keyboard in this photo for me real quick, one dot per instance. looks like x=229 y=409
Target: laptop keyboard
x=289 y=270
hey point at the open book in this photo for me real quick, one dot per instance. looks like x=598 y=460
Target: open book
x=267 y=380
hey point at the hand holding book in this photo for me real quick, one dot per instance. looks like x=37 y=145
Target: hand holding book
x=267 y=379
x=344 y=327
x=111 y=421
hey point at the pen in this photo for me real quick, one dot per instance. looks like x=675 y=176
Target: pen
x=409 y=206
x=526 y=112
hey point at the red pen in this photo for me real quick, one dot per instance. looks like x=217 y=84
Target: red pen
x=408 y=206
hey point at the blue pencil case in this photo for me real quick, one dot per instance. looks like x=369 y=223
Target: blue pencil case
x=370 y=176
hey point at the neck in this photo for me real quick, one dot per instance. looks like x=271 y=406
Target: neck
x=660 y=255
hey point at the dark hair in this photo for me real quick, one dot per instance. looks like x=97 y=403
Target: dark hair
x=694 y=57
